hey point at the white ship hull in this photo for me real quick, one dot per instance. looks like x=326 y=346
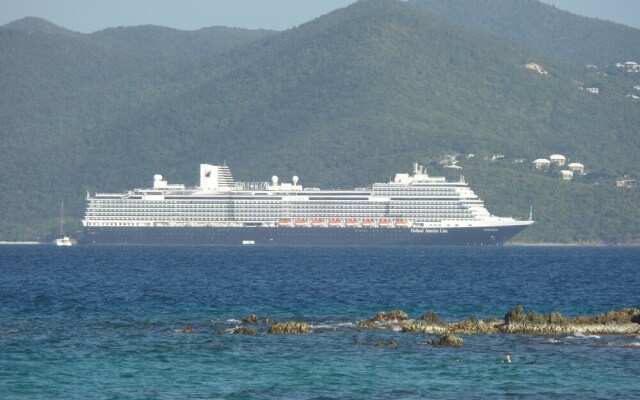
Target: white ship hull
x=411 y=210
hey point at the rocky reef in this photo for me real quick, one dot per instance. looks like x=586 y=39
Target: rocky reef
x=621 y=322
x=516 y=321
x=290 y=327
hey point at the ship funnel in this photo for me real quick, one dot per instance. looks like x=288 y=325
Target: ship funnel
x=215 y=178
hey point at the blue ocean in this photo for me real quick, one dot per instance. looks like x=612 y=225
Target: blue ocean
x=109 y=322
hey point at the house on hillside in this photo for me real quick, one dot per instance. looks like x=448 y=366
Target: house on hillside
x=537 y=68
x=541 y=163
x=637 y=87
x=558 y=159
x=632 y=66
x=576 y=168
x=566 y=174
x=626 y=183
x=593 y=90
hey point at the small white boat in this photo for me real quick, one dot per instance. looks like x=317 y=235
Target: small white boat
x=63 y=240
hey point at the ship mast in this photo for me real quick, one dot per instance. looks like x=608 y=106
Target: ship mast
x=61 y=216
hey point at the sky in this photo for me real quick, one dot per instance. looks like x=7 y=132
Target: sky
x=93 y=15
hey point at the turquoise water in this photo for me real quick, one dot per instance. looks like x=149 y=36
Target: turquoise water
x=106 y=322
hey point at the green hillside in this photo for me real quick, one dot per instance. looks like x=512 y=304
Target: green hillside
x=342 y=101
x=543 y=27
x=58 y=88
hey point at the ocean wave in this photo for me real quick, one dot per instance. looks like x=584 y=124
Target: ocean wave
x=580 y=335
x=322 y=326
x=622 y=344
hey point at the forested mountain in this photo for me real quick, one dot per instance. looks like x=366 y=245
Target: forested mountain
x=544 y=27
x=160 y=41
x=341 y=101
x=31 y=25
x=59 y=89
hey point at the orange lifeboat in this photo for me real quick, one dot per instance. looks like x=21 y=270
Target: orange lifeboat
x=384 y=222
x=284 y=222
x=334 y=222
x=402 y=223
x=367 y=222
x=317 y=222
x=351 y=222
x=301 y=222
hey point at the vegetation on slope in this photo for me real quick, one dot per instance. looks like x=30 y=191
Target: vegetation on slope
x=543 y=27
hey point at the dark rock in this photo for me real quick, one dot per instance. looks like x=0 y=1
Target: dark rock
x=430 y=317
x=395 y=315
x=515 y=315
x=447 y=340
x=250 y=319
x=244 y=331
x=366 y=324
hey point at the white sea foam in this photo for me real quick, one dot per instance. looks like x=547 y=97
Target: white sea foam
x=580 y=335
x=233 y=321
x=322 y=326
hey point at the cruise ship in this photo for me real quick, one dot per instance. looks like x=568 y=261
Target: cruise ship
x=413 y=209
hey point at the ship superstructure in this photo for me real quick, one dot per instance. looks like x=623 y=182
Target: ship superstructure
x=412 y=209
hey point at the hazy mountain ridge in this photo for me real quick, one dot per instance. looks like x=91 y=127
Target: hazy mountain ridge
x=162 y=41
x=344 y=100
x=543 y=27
x=31 y=25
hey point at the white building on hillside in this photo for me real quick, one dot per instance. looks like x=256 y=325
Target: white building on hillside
x=626 y=183
x=632 y=66
x=576 y=168
x=541 y=163
x=558 y=159
x=566 y=174
x=537 y=68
